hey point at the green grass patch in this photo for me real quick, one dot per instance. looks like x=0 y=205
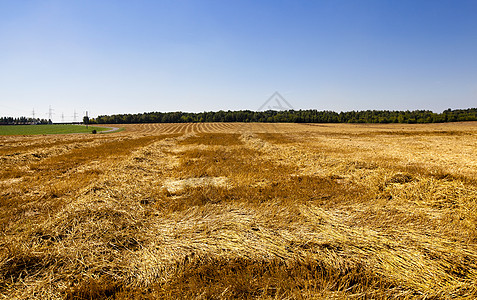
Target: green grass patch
x=47 y=129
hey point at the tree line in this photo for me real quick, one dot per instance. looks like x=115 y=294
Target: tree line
x=23 y=121
x=272 y=116
x=294 y=116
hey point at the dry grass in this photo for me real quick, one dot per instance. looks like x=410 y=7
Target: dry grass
x=219 y=211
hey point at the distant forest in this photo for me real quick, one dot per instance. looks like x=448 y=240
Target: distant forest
x=295 y=116
x=271 y=116
x=23 y=121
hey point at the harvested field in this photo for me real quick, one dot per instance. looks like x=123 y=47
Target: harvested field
x=234 y=210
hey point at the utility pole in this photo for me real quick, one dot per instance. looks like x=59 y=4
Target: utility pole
x=62 y=118
x=86 y=119
x=33 y=121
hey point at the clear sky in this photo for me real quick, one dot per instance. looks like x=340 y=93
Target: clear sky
x=115 y=56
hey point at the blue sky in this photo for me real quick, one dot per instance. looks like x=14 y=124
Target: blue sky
x=119 y=56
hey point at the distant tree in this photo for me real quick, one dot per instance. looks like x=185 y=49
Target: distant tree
x=86 y=121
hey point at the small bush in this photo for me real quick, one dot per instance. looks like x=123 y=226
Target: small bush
x=94 y=131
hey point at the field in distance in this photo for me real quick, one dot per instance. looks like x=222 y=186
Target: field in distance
x=236 y=210
x=47 y=129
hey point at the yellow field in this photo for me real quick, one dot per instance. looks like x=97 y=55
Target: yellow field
x=218 y=211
